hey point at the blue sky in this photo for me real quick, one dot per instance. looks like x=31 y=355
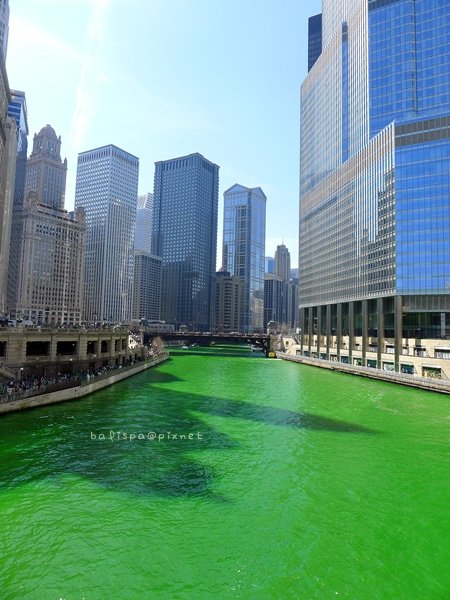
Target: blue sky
x=165 y=78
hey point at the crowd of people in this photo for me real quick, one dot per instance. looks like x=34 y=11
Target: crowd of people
x=32 y=385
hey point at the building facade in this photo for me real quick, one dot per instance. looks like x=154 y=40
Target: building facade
x=46 y=172
x=274 y=301
x=46 y=264
x=374 y=279
x=50 y=277
x=8 y=152
x=228 y=303
x=107 y=189
x=244 y=238
x=185 y=237
x=17 y=110
x=144 y=223
x=4 y=27
x=269 y=264
x=146 y=286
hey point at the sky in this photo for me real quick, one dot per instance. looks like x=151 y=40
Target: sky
x=166 y=78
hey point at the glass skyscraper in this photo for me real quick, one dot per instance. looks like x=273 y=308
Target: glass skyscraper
x=185 y=201
x=374 y=276
x=107 y=188
x=244 y=240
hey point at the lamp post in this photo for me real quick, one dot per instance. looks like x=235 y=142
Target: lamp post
x=21 y=374
x=71 y=367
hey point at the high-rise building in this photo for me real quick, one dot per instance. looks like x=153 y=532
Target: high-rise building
x=17 y=109
x=50 y=277
x=269 y=264
x=282 y=263
x=374 y=275
x=185 y=236
x=4 y=27
x=46 y=172
x=314 y=39
x=274 y=300
x=244 y=237
x=146 y=286
x=106 y=187
x=8 y=152
x=229 y=298
x=144 y=223
x=47 y=243
x=292 y=304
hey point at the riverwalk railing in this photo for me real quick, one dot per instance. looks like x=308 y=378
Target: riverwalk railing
x=430 y=383
x=41 y=385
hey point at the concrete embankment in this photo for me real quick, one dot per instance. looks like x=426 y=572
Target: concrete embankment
x=73 y=393
x=434 y=385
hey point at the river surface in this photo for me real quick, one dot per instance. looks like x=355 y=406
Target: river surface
x=266 y=480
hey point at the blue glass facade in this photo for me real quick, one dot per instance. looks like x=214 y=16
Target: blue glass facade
x=185 y=204
x=244 y=239
x=375 y=176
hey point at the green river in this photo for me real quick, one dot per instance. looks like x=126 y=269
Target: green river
x=266 y=480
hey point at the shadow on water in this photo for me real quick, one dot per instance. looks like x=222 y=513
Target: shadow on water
x=85 y=439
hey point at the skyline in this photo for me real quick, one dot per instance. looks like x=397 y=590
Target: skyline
x=184 y=78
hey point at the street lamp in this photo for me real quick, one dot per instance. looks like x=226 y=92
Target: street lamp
x=21 y=373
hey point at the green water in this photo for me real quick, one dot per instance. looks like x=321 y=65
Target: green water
x=296 y=483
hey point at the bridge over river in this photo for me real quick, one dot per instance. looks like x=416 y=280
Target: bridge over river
x=262 y=340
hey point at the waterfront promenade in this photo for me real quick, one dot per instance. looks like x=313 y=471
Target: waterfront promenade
x=44 y=391
x=435 y=385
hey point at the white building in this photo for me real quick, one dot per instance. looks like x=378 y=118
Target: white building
x=106 y=187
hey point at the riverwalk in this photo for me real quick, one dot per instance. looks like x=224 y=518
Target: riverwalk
x=81 y=388
x=435 y=385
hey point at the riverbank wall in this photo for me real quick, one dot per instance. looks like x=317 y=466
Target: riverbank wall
x=434 y=385
x=79 y=391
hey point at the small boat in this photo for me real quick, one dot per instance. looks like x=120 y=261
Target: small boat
x=256 y=348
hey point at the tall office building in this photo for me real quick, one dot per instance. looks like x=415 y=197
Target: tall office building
x=4 y=27
x=374 y=186
x=146 y=286
x=244 y=238
x=47 y=243
x=229 y=297
x=50 y=277
x=8 y=152
x=17 y=110
x=144 y=223
x=185 y=236
x=107 y=189
x=269 y=264
x=314 y=39
x=274 y=300
x=282 y=263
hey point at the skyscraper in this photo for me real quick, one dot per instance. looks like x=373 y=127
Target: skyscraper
x=47 y=243
x=17 y=110
x=269 y=264
x=244 y=238
x=185 y=236
x=144 y=223
x=46 y=172
x=146 y=286
x=229 y=296
x=374 y=186
x=106 y=187
x=4 y=27
x=314 y=39
x=283 y=263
